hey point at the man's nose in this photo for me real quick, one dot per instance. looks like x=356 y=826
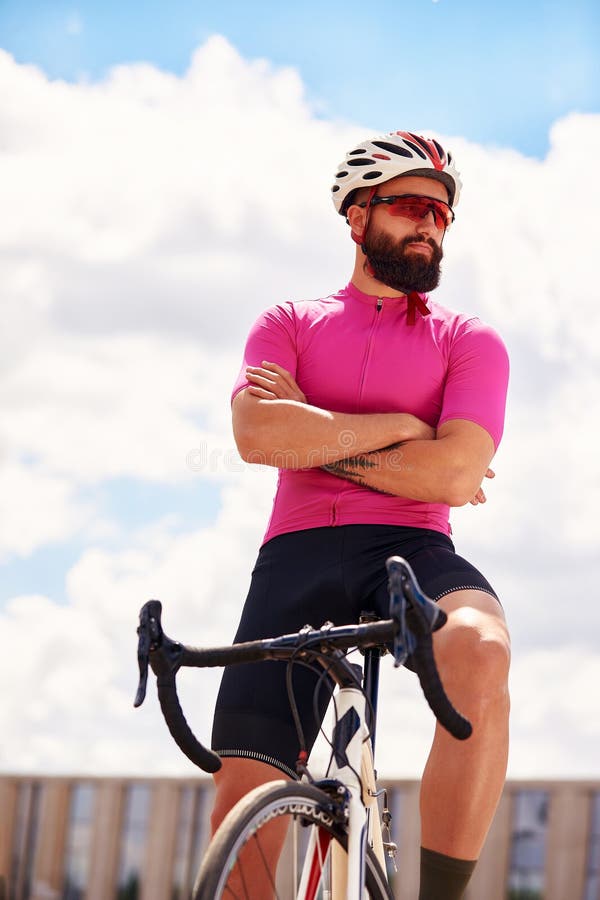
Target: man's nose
x=427 y=224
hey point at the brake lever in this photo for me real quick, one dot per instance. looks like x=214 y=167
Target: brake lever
x=404 y=640
x=414 y=612
x=425 y=615
x=150 y=636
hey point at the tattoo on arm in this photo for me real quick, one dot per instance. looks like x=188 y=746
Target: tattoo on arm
x=353 y=468
x=350 y=475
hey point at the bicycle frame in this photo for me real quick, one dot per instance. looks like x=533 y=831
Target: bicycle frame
x=352 y=766
x=350 y=733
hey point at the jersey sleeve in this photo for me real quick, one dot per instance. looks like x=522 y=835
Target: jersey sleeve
x=477 y=379
x=271 y=338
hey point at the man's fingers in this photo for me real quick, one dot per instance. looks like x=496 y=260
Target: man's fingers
x=262 y=392
x=277 y=380
x=480 y=496
x=283 y=373
x=255 y=375
x=272 y=383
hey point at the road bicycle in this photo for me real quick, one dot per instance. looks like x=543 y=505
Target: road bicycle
x=335 y=847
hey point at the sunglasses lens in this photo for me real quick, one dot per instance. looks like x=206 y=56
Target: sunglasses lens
x=416 y=208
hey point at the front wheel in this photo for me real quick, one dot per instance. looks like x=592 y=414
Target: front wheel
x=261 y=850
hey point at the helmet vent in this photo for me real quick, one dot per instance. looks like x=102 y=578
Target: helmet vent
x=416 y=149
x=357 y=152
x=361 y=162
x=341 y=174
x=369 y=175
x=392 y=148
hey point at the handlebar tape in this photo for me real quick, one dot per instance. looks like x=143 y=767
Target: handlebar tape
x=180 y=730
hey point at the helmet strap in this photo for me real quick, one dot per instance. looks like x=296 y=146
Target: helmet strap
x=359 y=239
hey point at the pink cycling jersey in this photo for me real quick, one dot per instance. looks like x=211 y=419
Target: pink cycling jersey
x=355 y=353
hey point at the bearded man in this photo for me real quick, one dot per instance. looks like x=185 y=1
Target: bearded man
x=382 y=409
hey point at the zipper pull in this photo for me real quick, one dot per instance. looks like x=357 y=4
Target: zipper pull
x=379 y=303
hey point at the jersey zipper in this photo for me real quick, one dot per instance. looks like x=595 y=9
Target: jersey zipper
x=367 y=356
x=373 y=329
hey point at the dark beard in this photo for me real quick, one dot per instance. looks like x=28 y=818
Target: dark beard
x=403 y=271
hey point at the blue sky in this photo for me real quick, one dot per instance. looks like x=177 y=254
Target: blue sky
x=496 y=73
x=130 y=502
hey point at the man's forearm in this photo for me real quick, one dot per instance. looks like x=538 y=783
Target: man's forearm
x=417 y=470
x=370 y=470
x=293 y=435
x=393 y=453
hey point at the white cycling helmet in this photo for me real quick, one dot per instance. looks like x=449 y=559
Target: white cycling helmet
x=388 y=156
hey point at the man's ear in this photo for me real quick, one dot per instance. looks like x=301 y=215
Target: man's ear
x=356 y=216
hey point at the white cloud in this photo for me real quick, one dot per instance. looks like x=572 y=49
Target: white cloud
x=524 y=230
x=556 y=713
x=71 y=705
x=147 y=219
x=106 y=407
x=183 y=189
x=36 y=508
x=80 y=411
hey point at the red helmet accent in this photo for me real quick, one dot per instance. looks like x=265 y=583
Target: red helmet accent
x=434 y=151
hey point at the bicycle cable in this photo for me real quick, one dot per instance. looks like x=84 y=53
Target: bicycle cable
x=325 y=665
x=294 y=660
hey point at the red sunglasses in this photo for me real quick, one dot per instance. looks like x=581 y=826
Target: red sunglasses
x=415 y=207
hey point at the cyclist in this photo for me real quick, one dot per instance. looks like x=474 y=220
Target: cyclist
x=382 y=409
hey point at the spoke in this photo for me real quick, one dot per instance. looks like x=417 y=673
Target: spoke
x=295 y=855
x=268 y=871
x=318 y=864
x=238 y=865
x=255 y=873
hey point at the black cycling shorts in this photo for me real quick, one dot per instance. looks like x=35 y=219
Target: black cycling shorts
x=310 y=577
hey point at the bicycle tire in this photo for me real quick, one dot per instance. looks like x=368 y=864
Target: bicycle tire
x=303 y=804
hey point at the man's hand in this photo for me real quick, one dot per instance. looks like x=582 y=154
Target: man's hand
x=480 y=496
x=271 y=382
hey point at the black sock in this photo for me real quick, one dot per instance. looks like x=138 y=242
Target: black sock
x=443 y=877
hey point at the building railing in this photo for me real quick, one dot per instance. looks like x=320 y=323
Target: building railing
x=143 y=839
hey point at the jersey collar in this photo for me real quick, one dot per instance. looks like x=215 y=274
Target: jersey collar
x=415 y=302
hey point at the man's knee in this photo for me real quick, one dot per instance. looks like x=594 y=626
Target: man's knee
x=235 y=779
x=473 y=649
x=473 y=654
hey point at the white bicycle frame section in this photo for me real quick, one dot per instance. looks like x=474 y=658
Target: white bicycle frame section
x=352 y=757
